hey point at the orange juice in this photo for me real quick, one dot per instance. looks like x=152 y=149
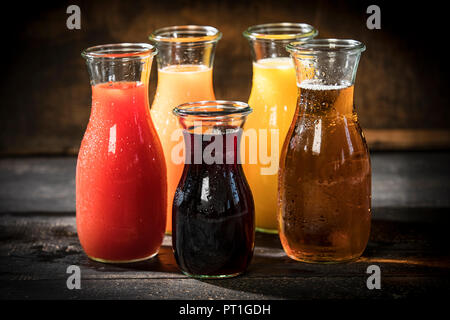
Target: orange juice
x=273 y=99
x=177 y=84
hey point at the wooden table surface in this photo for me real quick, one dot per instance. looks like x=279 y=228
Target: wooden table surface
x=409 y=242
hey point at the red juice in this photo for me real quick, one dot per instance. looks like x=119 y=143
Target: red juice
x=121 y=177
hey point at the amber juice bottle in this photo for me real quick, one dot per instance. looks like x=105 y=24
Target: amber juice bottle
x=324 y=198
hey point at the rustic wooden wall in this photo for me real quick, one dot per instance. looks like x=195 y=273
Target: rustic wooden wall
x=401 y=92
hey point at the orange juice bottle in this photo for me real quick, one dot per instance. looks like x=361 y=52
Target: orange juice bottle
x=273 y=98
x=185 y=60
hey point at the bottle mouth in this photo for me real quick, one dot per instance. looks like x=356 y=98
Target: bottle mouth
x=188 y=34
x=123 y=51
x=327 y=46
x=212 y=110
x=280 y=31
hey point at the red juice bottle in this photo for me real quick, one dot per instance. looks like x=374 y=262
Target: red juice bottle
x=121 y=174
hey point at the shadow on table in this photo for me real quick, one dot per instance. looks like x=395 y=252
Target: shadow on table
x=413 y=256
x=164 y=262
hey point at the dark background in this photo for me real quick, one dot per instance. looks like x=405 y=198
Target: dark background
x=401 y=88
x=402 y=98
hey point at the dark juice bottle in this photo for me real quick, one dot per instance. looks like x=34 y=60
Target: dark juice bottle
x=213 y=210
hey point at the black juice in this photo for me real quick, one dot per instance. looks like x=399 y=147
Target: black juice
x=213 y=210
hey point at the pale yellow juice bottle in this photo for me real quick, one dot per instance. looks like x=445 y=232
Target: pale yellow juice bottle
x=185 y=59
x=273 y=99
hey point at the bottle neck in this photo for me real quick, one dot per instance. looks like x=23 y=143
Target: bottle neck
x=269 y=40
x=184 y=73
x=268 y=49
x=326 y=101
x=183 y=83
x=326 y=69
x=175 y=54
x=326 y=82
x=119 y=101
x=218 y=148
x=119 y=70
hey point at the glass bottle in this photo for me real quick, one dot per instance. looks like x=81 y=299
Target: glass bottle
x=185 y=61
x=121 y=174
x=213 y=212
x=325 y=174
x=273 y=98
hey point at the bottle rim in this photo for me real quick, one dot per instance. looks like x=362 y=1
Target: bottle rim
x=281 y=31
x=122 y=51
x=216 y=109
x=186 y=34
x=329 y=46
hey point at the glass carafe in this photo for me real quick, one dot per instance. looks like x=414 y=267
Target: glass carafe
x=121 y=192
x=325 y=173
x=273 y=99
x=213 y=211
x=185 y=61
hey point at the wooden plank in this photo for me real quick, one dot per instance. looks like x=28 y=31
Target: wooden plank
x=377 y=140
x=412 y=179
x=408 y=241
x=37 y=184
x=327 y=288
x=407 y=139
x=36 y=250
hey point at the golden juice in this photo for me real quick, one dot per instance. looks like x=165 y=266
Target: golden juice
x=177 y=84
x=325 y=178
x=273 y=99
